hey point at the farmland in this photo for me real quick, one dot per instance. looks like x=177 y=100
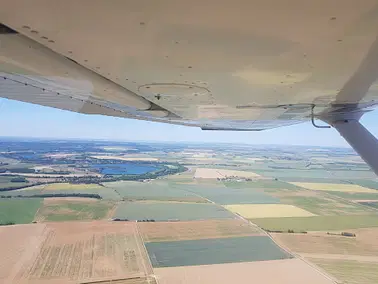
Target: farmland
x=194 y=230
x=156 y=190
x=252 y=211
x=318 y=223
x=104 y=193
x=324 y=244
x=6 y=182
x=85 y=252
x=188 y=229
x=69 y=186
x=222 y=173
x=350 y=272
x=221 y=194
x=335 y=187
x=54 y=210
x=214 y=251
x=18 y=211
x=355 y=196
x=321 y=203
x=289 y=270
x=166 y=211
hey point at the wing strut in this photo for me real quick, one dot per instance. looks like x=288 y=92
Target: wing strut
x=361 y=140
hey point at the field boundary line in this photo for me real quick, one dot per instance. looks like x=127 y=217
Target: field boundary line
x=150 y=269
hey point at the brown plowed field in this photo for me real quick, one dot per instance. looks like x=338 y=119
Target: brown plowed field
x=76 y=252
x=19 y=245
x=289 y=271
x=192 y=230
x=365 y=244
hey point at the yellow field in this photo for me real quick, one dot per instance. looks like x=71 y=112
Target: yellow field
x=334 y=187
x=70 y=186
x=251 y=211
x=221 y=173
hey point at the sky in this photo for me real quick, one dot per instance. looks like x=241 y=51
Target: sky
x=19 y=119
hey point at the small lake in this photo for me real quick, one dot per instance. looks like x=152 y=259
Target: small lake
x=124 y=168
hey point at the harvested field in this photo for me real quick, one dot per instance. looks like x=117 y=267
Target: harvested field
x=214 y=251
x=18 y=211
x=334 y=187
x=318 y=223
x=222 y=173
x=86 y=252
x=193 y=230
x=19 y=245
x=365 y=244
x=288 y=271
x=268 y=210
x=62 y=210
x=349 y=272
x=70 y=186
x=170 y=211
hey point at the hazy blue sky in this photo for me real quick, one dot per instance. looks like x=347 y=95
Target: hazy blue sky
x=27 y=120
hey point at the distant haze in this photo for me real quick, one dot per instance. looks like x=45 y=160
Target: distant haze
x=26 y=120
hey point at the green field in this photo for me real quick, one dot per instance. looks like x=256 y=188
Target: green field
x=260 y=183
x=355 y=195
x=165 y=190
x=165 y=211
x=232 y=195
x=324 y=205
x=105 y=193
x=349 y=271
x=317 y=223
x=367 y=183
x=213 y=251
x=18 y=211
x=370 y=204
x=70 y=211
x=70 y=186
x=316 y=180
x=5 y=182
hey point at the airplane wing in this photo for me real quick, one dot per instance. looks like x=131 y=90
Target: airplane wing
x=215 y=64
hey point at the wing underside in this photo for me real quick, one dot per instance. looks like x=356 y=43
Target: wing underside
x=239 y=67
